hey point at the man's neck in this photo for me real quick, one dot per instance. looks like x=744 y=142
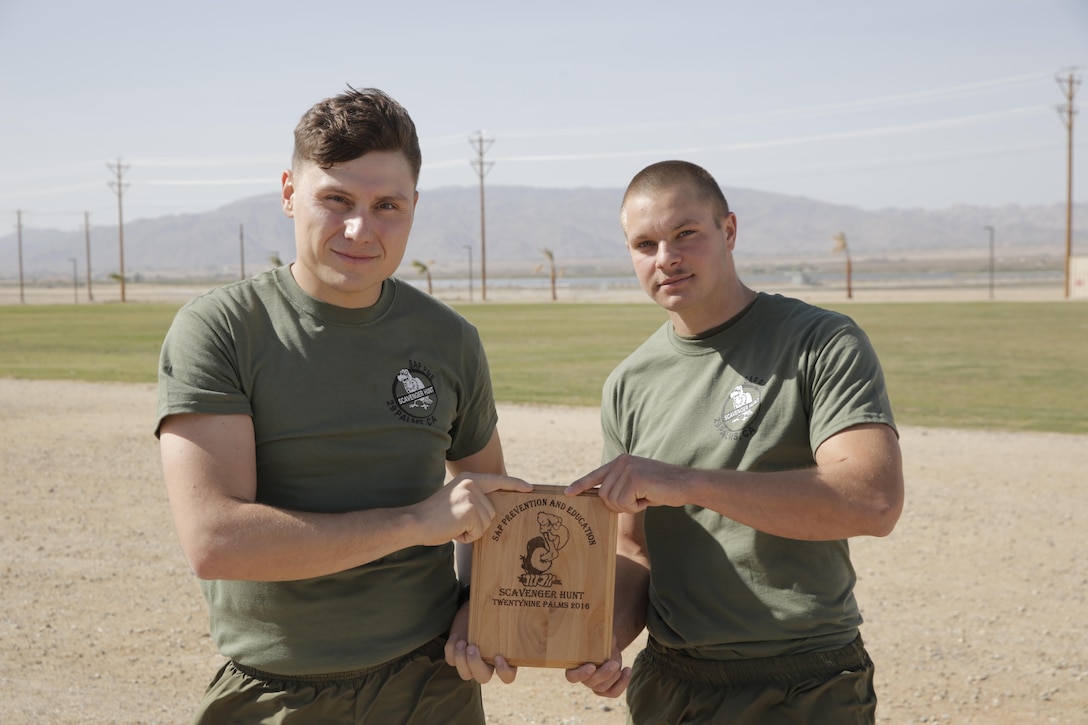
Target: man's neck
x=695 y=323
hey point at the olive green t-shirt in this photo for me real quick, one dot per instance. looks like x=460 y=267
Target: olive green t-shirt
x=352 y=409
x=760 y=394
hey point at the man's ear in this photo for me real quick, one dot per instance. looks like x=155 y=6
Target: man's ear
x=287 y=193
x=729 y=228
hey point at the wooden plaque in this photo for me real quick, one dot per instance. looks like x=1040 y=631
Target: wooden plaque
x=543 y=580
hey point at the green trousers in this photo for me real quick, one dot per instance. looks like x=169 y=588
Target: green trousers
x=417 y=689
x=833 y=688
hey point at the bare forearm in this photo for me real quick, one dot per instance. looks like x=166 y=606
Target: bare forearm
x=257 y=542
x=814 y=504
x=632 y=598
x=855 y=488
x=632 y=579
x=209 y=467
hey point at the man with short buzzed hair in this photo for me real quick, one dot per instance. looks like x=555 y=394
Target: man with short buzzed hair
x=744 y=442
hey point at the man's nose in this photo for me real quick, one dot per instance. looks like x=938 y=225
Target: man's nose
x=356 y=226
x=666 y=255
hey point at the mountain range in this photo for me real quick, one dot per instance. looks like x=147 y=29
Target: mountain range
x=579 y=226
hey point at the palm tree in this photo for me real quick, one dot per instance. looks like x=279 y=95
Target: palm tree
x=424 y=269
x=551 y=263
x=840 y=246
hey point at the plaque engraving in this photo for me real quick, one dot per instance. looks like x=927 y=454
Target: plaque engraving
x=543 y=579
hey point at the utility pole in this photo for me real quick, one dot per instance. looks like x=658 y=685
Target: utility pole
x=841 y=246
x=119 y=188
x=991 y=230
x=19 y=236
x=75 y=283
x=1067 y=111
x=87 y=238
x=482 y=168
x=242 y=248
x=469 y=248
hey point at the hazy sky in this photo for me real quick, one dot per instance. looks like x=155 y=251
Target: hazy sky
x=928 y=103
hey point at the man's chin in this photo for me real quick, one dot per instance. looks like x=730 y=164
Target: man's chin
x=669 y=298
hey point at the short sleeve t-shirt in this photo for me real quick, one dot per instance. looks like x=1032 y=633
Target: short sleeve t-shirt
x=352 y=409
x=761 y=394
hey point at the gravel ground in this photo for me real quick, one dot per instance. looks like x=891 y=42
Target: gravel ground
x=976 y=606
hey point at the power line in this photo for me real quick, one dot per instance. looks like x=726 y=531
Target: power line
x=847 y=135
x=799 y=113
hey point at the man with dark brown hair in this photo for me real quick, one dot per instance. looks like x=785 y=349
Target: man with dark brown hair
x=308 y=418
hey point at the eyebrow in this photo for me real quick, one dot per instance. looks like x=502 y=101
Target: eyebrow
x=394 y=197
x=336 y=188
x=688 y=221
x=684 y=223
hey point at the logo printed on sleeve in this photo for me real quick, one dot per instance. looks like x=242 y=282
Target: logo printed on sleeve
x=414 y=396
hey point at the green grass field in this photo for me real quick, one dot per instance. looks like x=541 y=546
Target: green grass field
x=1008 y=366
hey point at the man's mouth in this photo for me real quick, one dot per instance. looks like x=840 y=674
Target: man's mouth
x=353 y=257
x=673 y=280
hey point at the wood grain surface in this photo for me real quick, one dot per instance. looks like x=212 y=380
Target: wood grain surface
x=543 y=580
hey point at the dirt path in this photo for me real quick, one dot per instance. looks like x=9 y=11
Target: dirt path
x=976 y=606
